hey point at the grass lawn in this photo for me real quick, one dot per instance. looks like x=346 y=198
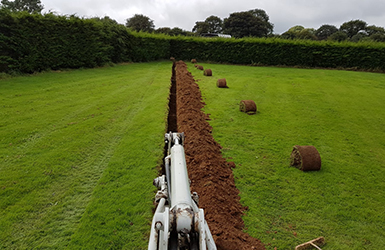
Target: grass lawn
x=79 y=150
x=342 y=114
x=78 y=153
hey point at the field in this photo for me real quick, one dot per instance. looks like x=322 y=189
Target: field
x=79 y=150
x=341 y=114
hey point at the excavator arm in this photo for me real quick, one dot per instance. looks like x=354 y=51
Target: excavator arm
x=178 y=223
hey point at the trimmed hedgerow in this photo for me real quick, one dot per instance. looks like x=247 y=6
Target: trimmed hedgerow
x=35 y=42
x=282 y=52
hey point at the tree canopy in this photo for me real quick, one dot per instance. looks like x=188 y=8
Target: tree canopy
x=353 y=27
x=338 y=36
x=372 y=30
x=212 y=24
x=105 y=20
x=31 y=6
x=299 y=32
x=248 y=23
x=325 y=31
x=215 y=24
x=173 y=32
x=140 y=22
x=201 y=27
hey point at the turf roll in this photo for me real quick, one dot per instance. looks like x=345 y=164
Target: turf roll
x=193 y=60
x=208 y=72
x=248 y=106
x=200 y=67
x=305 y=158
x=221 y=83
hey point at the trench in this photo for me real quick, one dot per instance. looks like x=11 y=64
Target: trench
x=172 y=118
x=210 y=174
x=171 y=125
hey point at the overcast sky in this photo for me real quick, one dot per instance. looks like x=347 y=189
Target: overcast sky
x=284 y=14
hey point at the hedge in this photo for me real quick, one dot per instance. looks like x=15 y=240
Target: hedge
x=270 y=51
x=36 y=42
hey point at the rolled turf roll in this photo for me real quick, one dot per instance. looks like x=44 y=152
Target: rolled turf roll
x=193 y=61
x=200 y=67
x=305 y=158
x=221 y=83
x=248 y=106
x=208 y=72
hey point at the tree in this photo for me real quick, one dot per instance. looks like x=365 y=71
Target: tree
x=352 y=28
x=179 y=32
x=163 y=30
x=261 y=14
x=293 y=32
x=338 y=36
x=173 y=32
x=31 y=6
x=212 y=24
x=377 y=37
x=299 y=32
x=105 y=20
x=307 y=34
x=372 y=29
x=248 y=23
x=201 y=27
x=140 y=22
x=358 y=37
x=325 y=31
x=215 y=24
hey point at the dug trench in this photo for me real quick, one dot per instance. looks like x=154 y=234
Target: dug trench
x=210 y=174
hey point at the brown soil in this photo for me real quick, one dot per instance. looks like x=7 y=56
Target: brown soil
x=305 y=158
x=248 y=106
x=210 y=174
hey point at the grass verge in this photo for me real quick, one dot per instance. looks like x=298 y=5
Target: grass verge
x=78 y=152
x=341 y=114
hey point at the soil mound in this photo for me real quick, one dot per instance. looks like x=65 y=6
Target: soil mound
x=210 y=174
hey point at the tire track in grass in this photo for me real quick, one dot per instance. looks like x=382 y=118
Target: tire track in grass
x=53 y=216
x=84 y=172
x=119 y=210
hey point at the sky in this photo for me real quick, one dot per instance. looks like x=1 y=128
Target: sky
x=183 y=14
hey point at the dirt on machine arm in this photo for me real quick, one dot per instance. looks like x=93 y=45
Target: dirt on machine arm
x=210 y=174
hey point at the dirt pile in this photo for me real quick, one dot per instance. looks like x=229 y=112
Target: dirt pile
x=210 y=174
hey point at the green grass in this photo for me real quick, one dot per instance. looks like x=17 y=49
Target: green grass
x=79 y=150
x=78 y=153
x=342 y=114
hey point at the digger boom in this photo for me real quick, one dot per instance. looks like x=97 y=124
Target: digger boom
x=178 y=223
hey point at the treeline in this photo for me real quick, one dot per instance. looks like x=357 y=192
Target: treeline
x=35 y=42
x=353 y=31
